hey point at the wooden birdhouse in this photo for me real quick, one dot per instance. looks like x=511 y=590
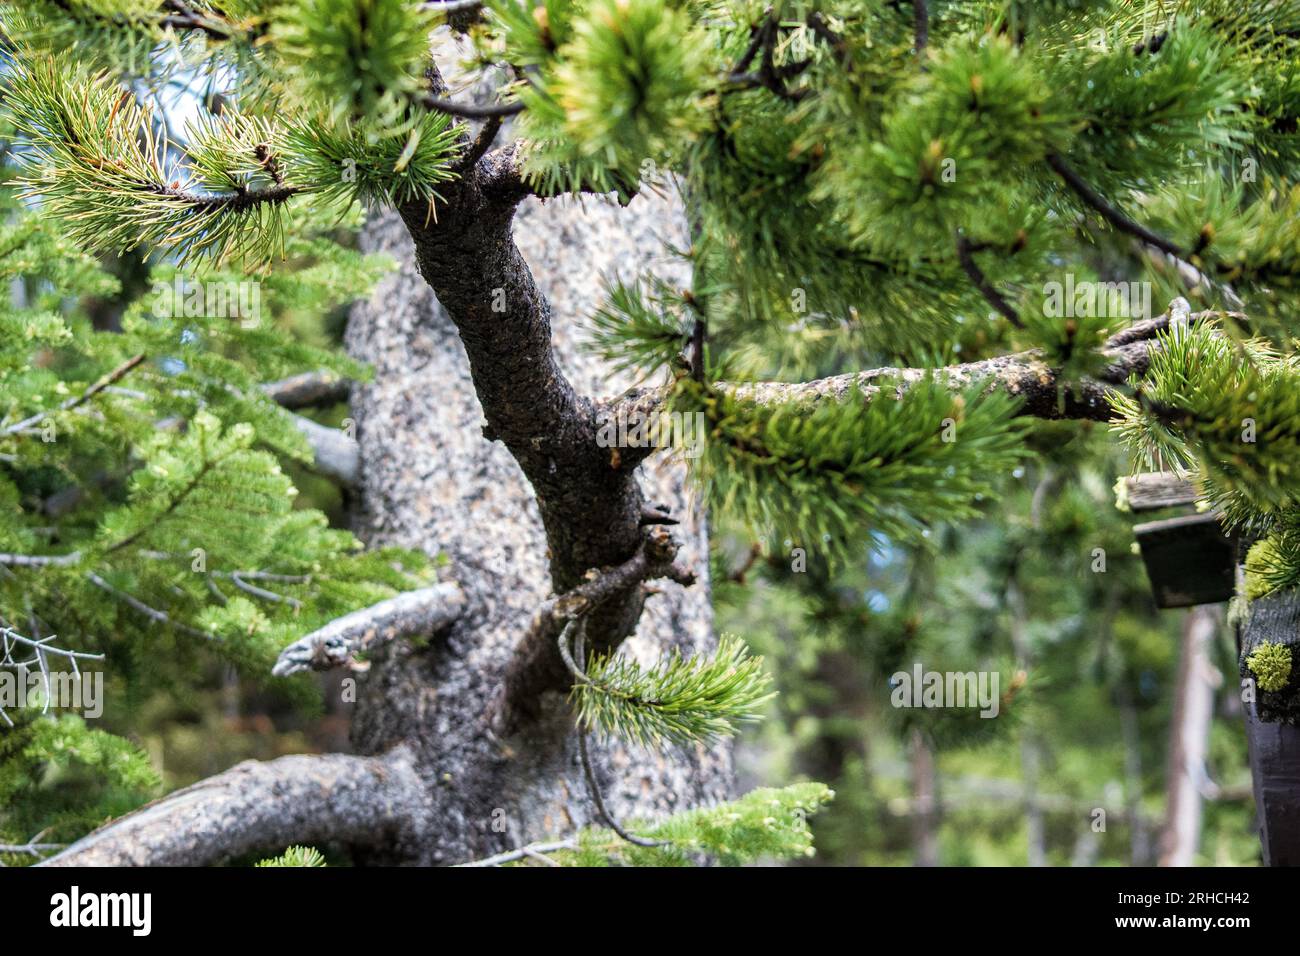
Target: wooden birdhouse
x=1189 y=557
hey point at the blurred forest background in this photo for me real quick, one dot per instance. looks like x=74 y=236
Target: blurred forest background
x=1049 y=589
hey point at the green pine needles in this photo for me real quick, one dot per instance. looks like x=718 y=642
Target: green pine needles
x=353 y=60
x=763 y=825
x=348 y=164
x=821 y=166
x=1273 y=563
x=1229 y=408
x=146 y=501
x=980 y=113
x=625 y=87
x=1225 y=410
x=100 y=164
x=680 y=700
x=60 y=778
x=295 y=856
x=642 y=326
x=892 y=458
x=122 y=35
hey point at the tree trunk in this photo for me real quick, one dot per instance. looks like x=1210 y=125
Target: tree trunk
x=1031 y=753
x=925 y=797
x=1131 y=730
x=1189 y=738
x=431 y=480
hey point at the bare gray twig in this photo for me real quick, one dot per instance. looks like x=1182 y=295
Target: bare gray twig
x=411 y=613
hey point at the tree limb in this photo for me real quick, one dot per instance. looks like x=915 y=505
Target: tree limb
x=411 y=613
x=965 y=256
x=452 y=6
x=233 y=201
x=536 y=666
x=1147 y=329
x=590 y=506
x=532 y=851
x=308 y=390
x=185 y=18
x=335 y=455
x=471 y=110
x=1022 y=374
x=504 y=180
x=1108 y=211
x=482 y=143
x=584 y=754
x=30 y=848
x=238 y=581
x=256 y=807
x=653 y=560
x=99 y=385
x=152 y=613
x=40 y=560
x=921 y=16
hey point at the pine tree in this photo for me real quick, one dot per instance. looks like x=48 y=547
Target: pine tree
x=908 y=224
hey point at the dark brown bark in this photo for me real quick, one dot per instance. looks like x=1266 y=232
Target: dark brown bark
x=590 y=506
x=308 y=390
x=431 y=480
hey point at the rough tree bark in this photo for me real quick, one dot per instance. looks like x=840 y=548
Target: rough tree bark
x=477 y=441
x=430 y=479
x=333 y=798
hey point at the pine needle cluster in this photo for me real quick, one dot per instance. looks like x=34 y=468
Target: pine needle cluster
x=765 y=824
x=825 y=472
x=680 y=700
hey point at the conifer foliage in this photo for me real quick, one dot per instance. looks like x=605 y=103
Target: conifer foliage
x=897 y=184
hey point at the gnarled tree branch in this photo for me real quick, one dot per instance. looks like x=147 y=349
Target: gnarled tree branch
x=261 y=807
x=98 y=386
x=590 y=505
x=335 y=455
x=536 y=666
x=1024 y=375
x=1108 y=210
x=308 y=390
x=411 y=613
